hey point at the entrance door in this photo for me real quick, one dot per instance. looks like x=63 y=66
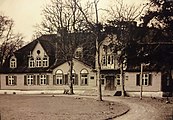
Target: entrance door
x=110 y=83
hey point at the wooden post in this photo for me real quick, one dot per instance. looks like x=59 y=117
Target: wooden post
x=141 y=76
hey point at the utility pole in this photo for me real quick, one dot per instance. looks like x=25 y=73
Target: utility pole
x=141 y=77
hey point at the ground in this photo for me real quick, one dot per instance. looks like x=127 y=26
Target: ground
x=26 y=107
x=48 y=107
x=146 y=109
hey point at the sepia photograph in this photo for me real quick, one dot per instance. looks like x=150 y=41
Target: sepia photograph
x=86 y=59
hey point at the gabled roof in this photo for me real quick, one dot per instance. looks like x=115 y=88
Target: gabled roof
x=48 y=42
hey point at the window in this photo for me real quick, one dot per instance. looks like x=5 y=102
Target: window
x=104 y=60
x=118 y=79
x=112 y=59
x=31 y=62
x=74 y=77
x=84 y=77
x=58 y=77
x=78 y=53
x=11 y=80
x=168 y=81
x=146 y=80
x=13 y=63
x=38 y=62
x=126 y=78
x=43 y=79
x=107 y=60
x=45 y=61
x=29 y=80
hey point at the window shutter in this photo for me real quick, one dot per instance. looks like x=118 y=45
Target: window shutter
x=54 y=79
x=47 y=79
x=34 y=79
x=76 y=79
x=150 y=79
x=38 y=79
x=15 y=80
x=25 y=80
x=137 y=79
x=63 y=82
x=6 y=80
x=66 y=79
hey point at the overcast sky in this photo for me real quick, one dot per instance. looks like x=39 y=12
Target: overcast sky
x=27 y=13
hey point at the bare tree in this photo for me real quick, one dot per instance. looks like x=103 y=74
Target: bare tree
x=62 y=17
x=9 y=41
x=121 y=11
x=95 y=28
x=122 y=22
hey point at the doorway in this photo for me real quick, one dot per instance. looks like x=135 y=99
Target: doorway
x=110 y=83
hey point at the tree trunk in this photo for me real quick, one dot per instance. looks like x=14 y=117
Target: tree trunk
x=99 y=97
x=122 y=80
x=98 y=68
x=71 y=78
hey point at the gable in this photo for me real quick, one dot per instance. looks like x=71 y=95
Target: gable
x=39 y=51
x=78 y=66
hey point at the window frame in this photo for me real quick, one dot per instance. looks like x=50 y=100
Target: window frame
x=108 y=60
x=45 y=62
x=13 y=62
x=30 y=79
x=104 y=60
x=74 y=77
x=11 y=80
x=43 y=79
x=31 y=62
x=146 y=79
x=38 y=61
x=84 y=77
x=59 y=79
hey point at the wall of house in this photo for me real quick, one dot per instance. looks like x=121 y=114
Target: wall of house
x=78 y=67
x=20 y=84
x=108 y=57
x=130 y=82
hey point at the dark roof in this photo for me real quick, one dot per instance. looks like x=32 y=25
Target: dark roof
x=48 y=42
x=158 y=55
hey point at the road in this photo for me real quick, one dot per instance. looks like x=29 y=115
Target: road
x=138 y=110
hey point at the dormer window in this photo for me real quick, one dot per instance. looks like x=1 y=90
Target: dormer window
x=38 y=62
x=45 y=61
x=79 y=53
x=31 y=62
x=13 y=62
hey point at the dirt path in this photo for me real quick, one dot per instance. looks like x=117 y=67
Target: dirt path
x=139 y=110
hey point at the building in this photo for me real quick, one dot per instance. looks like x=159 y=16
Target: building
x=39 y=66
x=157 y=76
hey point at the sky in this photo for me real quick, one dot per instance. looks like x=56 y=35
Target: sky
x=27 y=13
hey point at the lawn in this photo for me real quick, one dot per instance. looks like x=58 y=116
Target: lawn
x=27 y=107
